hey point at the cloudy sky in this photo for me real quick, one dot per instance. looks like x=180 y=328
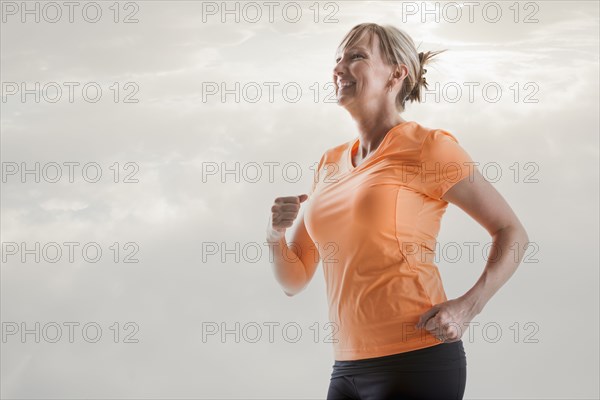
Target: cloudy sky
x=151 y=138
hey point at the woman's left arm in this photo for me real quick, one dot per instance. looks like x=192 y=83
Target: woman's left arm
x=479 y=199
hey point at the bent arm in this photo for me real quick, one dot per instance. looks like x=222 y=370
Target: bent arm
x=294 y=263
x=479 y=199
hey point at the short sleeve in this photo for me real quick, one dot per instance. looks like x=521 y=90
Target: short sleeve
x=444 y=163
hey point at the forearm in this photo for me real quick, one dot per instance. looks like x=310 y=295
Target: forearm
x=506 y=253
x=288 y=269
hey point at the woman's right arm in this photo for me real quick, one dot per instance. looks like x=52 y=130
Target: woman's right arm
x=294 y=263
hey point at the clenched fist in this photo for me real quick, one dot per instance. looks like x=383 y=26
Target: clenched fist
x=283 y=213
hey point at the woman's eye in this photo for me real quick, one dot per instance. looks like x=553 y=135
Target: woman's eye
x=353 y=56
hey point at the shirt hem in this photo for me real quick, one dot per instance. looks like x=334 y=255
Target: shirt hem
x=381 y=351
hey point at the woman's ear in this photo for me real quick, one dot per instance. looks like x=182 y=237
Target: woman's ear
x=401 y=72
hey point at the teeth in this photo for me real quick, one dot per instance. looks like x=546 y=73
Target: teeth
x=345 y=84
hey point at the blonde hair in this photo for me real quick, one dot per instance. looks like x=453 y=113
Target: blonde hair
x=397 y=47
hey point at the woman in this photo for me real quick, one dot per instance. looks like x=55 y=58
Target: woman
x=374 y=215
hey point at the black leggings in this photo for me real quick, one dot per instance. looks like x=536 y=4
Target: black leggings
x=438 y=372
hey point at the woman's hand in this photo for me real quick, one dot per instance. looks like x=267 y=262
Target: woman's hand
x=283 y=213
x=448 y=320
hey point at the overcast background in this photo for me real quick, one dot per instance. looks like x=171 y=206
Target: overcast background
x=186 y=223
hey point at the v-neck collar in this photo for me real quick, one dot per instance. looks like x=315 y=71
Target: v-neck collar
x=353 y=147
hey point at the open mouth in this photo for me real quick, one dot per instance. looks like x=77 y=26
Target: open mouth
x=346 y=85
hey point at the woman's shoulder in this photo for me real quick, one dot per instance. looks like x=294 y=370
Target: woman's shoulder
x=337 y=151
x=417 y=135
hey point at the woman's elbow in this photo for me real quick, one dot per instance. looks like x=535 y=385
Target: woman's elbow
x=517 y=235
x=293 y=291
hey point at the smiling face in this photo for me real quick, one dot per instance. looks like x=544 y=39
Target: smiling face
x=362 y=77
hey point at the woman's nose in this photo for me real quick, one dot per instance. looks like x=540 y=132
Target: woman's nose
x=339 y=69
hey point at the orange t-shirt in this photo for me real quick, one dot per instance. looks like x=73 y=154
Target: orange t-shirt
x=375 y=226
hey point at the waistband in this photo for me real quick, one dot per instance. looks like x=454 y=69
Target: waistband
x=442 y=356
